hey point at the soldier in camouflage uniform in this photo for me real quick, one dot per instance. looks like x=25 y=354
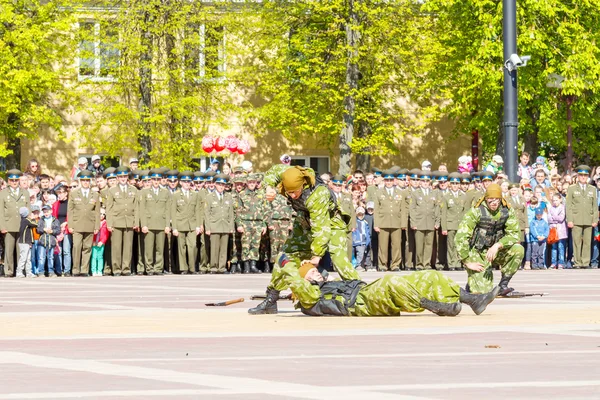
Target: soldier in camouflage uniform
x=489 y=236
x=387 y=296
x=280 y=225
x=239 y=185
x=250 y=222
x=319 y=226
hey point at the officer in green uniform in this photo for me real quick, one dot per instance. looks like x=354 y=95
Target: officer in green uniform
x=83 y=214
x=320 y=225
x=251 y=211
x=424 y=219
x=377 y=182
x=209 y=187
x=477 y=192
x=11 y=200
x=488 y=236
x=171 y=252
x=387 y=296
x=186 y=222
x=465 y=182
x=519 y=205
x=121 y=218
x=111 y=181
x=409 y=238
x=155 y=217
x=391 y=217
x=582 y=216
x=219 y=223
x=452 y=208
x=344 y=201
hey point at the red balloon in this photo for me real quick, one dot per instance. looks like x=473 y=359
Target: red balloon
x=231 y=143
x=208 y=144
x=219 y=144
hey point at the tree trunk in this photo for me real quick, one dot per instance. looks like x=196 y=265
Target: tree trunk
x=145 y=88
x=13 y=142
x=351 y=85
x=530 y=139
x=363 y=161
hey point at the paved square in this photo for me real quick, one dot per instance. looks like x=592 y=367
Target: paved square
x=152 y=337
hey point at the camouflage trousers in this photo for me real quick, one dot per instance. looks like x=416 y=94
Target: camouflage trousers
x=508 y=259
x=236 y=250
x=394 y=294
x=251 y=239
x=278 y=236
x=297 y=248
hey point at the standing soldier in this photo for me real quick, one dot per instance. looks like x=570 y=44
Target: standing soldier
x=186 y=222
x=344 y=201
x=377 y=184
x=219 y=223
x=440 y=254
x=83 y=214
x=239 y=186
x=390 y=219
x=280 y=225
x=582 y=216
x=465 y=182
x=452 y=210
x=155 y=217
x=424 y=220
x=199 y=188
x=121 y=218
x=409 y=234
x=477 y=192
x=111 y=181
x=11 y=200
x=517 y=202
x=172 y=176
x=250 y=222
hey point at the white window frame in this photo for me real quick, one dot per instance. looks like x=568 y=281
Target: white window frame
x=222 y=55
x=307 y=159
x=97 y=62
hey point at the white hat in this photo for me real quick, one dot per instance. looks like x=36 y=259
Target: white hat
x=247 y=165
x=95 y=157
x=426 y=165
x=370 y=204
x=133 y=160
x=498 y=159
x=82 y=160
x=360 y=210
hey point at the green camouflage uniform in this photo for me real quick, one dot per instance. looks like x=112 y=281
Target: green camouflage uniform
x=236 y=249
x=320 y=229
x=508 y=258
x=250 y=213
x=387 y=296
x=281 y=221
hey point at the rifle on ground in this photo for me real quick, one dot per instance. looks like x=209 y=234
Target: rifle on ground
x=517 y=295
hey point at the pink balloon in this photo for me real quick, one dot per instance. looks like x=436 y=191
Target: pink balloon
x=231 y=143
x=208 y=144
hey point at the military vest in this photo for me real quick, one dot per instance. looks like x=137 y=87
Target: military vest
x=488 y=231
x=337 y=298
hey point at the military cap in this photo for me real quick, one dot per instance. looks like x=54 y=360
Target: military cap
x=239 y=179
x=145 y=174
x=260 y=176
x=172 y=175
x=135 y=174
x=238 y=170
x=110 y=172
x=414 y=173
x=425 y=176
x=514 y=185
x=583 y=170
x=13 y=174
x=395 y=169
x=221 y=178
x=486 y=175
x=186 y=176
x=377 y=172
x=164 y=170
x=465 y=177
x=475 y=176
x=85 y=174
x=198 y=176
x=252 y=178
x=122 y=170
x=442 y=176
x=338 y=179
x=402 y=173
x=455 y=177
x=388 y=174
x=156 y=173
x=209 y=176
x=435 y=175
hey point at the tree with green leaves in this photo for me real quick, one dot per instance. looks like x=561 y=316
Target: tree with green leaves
x=35 y=43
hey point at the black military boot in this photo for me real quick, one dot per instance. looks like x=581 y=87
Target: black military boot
x=442 y=309
x=478 y=302
x=246 y=267
x=504 y=289
x=268 y=305
x=233 y=268
x=268 y=267
x=253 y=268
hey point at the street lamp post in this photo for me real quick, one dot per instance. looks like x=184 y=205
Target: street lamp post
x=511 y=115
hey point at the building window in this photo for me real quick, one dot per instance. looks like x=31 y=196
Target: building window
x=98 y=52
x=206 y=52
x=319 y=164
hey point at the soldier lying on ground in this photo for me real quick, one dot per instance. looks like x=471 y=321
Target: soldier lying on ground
x=488 y=236
x=319 y=226
x=387 y=296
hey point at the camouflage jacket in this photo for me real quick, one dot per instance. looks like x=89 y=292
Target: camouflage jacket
x=251 y=205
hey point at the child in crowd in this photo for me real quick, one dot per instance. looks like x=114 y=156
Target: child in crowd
x=49 y=229
x=370 y=218
x=556 y=219
x=100 y=239
x=361 y=238
x=538 y=234
x=35 y=214
x=25 y=242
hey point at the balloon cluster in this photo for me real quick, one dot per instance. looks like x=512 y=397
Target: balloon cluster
x=232 y=144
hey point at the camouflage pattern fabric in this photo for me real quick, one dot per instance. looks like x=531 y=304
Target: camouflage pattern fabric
x=250 y=214
x=509 y=258
x=278 y=236
x=387 y=296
